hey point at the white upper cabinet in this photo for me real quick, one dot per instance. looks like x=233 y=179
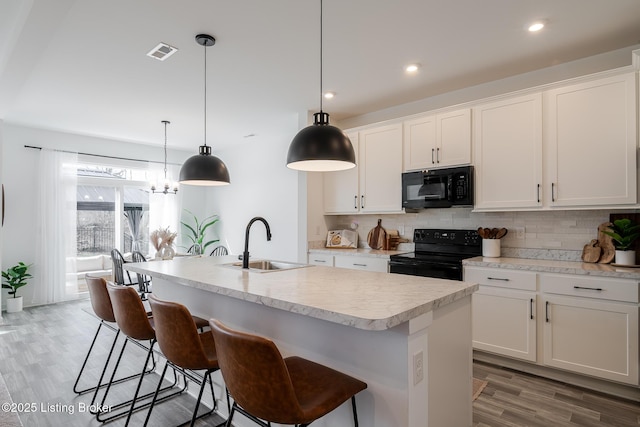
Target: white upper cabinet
x=437 y=140
x=573 y=146
x=374 y=185
x=381 y=169
x=341 y=190
x=508 y=153
x=590 y=139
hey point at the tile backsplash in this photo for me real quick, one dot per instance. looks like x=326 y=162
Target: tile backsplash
x=547 y=235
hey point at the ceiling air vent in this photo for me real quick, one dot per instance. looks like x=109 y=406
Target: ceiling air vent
x=162 y=51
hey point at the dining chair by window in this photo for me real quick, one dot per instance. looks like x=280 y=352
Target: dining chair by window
x=118 y=261
x=144 y=281
x=219 y=251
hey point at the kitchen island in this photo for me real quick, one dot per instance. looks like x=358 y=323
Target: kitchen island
x=408 y=337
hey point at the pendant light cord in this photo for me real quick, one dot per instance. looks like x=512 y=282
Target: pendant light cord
x=165 y=148
x=205 y=93
x=321 y=94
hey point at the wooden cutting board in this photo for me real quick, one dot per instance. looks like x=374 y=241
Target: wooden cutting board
x=591 y=251
x=377 y=236
x=606 y=243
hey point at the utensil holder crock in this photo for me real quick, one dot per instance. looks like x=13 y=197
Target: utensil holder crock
x=491 y=248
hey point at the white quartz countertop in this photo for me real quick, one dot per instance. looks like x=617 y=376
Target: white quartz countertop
x=361 y=299
x=552 y=266
x=373 y=253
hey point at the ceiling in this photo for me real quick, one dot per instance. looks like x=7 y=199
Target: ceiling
x=80 y=66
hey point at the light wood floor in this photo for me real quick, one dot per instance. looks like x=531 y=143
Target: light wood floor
x=42 y=348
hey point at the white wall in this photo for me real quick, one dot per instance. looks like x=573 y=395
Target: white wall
x=19 y=174
x=261 y=185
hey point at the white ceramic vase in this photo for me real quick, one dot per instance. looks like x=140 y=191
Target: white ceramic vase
x=625 y=257
x=14 y=305
x=491 y=248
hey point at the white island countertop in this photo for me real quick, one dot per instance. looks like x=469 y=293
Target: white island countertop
x=361 y=299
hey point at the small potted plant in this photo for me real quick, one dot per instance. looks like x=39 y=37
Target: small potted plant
x=624 y=233
x=14 y=278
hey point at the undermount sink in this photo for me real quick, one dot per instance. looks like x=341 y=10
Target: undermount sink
x=264 y=266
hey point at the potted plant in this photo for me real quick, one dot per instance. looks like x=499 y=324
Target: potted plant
x=624 y=233
x=14 y=278
x=197 y=233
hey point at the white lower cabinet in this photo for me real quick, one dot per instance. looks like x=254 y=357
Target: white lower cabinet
x=361 y=263
x=590 y=334
x=320 y=259
x=503 y=312
x=587 y=325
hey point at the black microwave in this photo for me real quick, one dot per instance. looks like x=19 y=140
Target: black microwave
x=438 y=188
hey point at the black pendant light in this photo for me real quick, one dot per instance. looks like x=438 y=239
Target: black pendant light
x=203 y=168
x=321 y=147
x=166 y=187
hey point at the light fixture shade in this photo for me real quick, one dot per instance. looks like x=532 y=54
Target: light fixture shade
x=204 y=169
x=321 y=148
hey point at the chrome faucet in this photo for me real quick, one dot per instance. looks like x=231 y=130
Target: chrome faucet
x=245 y=254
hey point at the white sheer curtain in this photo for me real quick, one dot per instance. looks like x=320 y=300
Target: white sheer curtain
x=56 y=236
x=164 y=208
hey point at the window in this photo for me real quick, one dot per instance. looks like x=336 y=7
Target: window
x=112 y=210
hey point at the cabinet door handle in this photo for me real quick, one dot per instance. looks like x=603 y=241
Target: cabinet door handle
x=319 y=260
x=355 y=202
x=553 y=194
x=588 y=288
x=546 y=311
x=362 y=201
x=538 y=193
x=432 y=156
x=498 y=278
x=438 y=155
x=359 y=265
x=531 y=308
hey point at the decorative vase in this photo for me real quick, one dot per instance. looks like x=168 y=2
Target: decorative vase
x=14 y=305
x=165 y=252
x=196 y=249
x=625 y=257
x=491 y=248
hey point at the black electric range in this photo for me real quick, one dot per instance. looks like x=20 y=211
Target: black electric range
x=438 y=253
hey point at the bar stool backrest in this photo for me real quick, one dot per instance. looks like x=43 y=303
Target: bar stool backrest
x=256 y=375
x=100 y=300
x=130 y=314
x=177 y=334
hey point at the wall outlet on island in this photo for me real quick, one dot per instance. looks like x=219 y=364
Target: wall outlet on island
x=418 y=367
x=519 y=232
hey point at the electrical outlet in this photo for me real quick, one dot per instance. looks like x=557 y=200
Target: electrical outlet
x=401 y=229
x=418 y=367
x=519 y=232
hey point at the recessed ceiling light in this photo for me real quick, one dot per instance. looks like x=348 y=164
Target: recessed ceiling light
x=536 y=26
x=162 y=51
x=329 y=95
x=412 y=68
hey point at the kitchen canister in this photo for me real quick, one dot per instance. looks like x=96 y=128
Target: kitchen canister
x=491 y=248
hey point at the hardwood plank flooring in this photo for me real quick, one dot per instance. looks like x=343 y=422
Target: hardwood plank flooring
x=518 y=399
x=42 y=349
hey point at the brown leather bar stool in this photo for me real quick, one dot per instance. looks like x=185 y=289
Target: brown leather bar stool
x=101 y=304
x=184 y=348
x=267 y=387
x=133 y=321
